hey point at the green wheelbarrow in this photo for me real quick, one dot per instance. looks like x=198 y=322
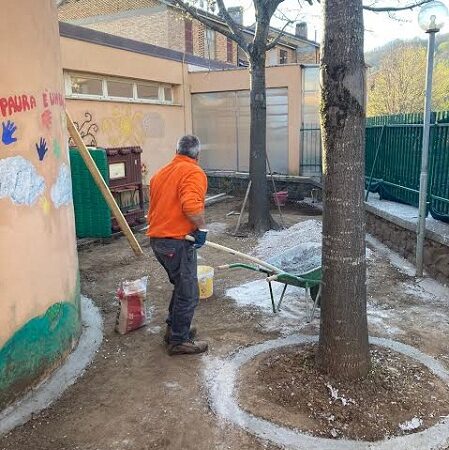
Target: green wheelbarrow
x=310 y=281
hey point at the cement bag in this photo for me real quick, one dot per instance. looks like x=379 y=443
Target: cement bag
x=131 y=312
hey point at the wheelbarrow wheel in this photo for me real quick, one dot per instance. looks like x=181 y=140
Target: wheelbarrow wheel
x=313 y=294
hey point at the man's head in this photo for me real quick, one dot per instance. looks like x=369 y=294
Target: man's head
x=188 y=145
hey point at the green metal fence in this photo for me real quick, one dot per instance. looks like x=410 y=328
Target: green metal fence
x=393 y=160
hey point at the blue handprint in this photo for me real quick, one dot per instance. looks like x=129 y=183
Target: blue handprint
x=8 y=130
x=41 y=148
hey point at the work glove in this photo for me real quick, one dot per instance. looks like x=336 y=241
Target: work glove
x=200 y=238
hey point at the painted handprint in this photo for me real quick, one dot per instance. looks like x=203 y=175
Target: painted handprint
x=41 y=148
x=9 y=128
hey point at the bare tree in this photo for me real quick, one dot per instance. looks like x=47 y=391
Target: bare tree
x=259 y=209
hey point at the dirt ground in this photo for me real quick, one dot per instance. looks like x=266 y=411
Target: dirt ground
x=285 y=387
x=135 y=396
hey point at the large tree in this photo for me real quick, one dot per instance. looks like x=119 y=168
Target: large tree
x=343 y=345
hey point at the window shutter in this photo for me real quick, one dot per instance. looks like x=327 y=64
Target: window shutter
x=188 y=36
x=229 y=48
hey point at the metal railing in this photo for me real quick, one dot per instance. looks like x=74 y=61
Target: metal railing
x=393 y=160
x=310 y=136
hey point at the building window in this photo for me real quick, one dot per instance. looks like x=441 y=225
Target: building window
x=148 y=91
x=86 y=85
x=121 y=89
x=168 y=94
x=209 y=43
x=282 y=56
x=229 y=50
x=188 y=36
x=116 y=89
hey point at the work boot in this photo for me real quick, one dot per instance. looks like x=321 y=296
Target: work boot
x=192 y=334
x=187 y=348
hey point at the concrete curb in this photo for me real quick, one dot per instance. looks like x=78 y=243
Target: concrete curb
x=221 y=378
x=53 y=387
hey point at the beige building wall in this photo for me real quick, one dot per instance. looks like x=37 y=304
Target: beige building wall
x=39 y=300
x=155 y=128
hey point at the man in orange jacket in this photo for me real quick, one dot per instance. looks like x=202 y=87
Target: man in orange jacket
x=177 y=194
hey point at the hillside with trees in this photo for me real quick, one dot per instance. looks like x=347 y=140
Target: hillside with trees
x=397 y=77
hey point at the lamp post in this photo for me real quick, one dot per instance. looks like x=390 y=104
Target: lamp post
x=431 y=19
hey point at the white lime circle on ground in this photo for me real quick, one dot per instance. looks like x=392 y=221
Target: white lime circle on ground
x=221 y=378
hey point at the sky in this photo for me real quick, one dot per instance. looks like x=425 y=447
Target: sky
x=379 y=27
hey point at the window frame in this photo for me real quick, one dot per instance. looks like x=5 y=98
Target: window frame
x=210 y=45
x=229 y=50
x=115 y=97
x=68 y=85
x=188 y=36
x=283 y=56
x=161 y=100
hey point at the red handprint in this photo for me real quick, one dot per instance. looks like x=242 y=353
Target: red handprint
x=46 y=118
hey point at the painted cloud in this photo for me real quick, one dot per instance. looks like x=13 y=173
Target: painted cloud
x=20 y=181
x=61 y=191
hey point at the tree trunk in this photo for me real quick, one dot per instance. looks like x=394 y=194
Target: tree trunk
x=259 y=206
x=343 y=346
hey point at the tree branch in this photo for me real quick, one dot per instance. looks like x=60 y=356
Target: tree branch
x=395 y=8
x=233 y=26
x=281 y=33
x=239 y=39
x=386 y=8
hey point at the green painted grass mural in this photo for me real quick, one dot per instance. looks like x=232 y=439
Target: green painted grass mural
x=37 y=347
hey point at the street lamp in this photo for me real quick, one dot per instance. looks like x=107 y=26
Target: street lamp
x=431 y=19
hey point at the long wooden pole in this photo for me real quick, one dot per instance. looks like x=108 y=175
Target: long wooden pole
x=99 y=181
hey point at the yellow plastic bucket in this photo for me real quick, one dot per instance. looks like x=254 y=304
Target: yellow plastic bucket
x=206 y=281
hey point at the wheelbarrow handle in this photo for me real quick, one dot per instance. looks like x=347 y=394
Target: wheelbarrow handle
x=271 y=278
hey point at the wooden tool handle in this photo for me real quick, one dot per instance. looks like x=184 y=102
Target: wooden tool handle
x=239 y=254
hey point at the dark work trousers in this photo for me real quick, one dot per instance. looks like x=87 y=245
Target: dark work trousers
x=178 y=257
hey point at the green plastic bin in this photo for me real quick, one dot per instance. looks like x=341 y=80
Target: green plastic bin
x=92 y=215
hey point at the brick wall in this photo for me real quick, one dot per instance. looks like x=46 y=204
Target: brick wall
x=309 y=58
x=307 y=54
x=81 y=9
x=221 y=47
x=164 y=28
x=198 y=38
x=175 y=30
x=149 y=29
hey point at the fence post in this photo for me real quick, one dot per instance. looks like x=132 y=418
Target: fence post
x=423 y=181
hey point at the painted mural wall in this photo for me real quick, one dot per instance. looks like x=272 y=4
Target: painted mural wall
x=155 y=128
x=39 y=299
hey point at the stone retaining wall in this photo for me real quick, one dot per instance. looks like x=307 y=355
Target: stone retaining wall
x=236 y=184
x=403 y=241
